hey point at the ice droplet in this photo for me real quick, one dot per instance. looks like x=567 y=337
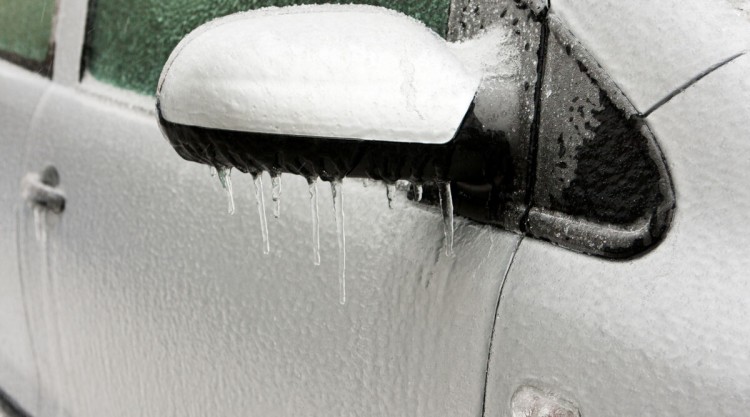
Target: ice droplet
x=418 y=192
x=276 y=194
x=338 y=209
x=390 y=189
x=212 y=171
x=261 y=204
x=225 y=176
x=313 y=183
x=446 y=206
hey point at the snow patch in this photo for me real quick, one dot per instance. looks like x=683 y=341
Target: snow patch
x=324 y=71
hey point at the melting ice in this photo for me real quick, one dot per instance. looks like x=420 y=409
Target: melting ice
x=390 y=190
x=315 y=219
x=444 y=192
x=261 y=204
x=338 y=209
x=276 y=194
x=226 y=183
x=446 y=207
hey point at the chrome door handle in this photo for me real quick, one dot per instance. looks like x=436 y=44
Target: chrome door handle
x=40 y=189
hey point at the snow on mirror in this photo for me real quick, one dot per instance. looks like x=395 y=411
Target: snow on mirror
x=328 y=92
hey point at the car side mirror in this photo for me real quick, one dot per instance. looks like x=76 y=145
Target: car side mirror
x=327 y=91
x=520 y=123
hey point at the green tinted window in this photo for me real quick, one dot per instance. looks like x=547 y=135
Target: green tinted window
x=26 y=31
x=128 y=44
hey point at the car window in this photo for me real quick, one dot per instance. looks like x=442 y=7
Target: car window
x=26 y=33
x=127 y=46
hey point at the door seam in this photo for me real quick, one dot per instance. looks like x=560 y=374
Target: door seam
x=679 y=90
x=494 y=322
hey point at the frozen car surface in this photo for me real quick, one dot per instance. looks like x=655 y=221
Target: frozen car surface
x=144 y=297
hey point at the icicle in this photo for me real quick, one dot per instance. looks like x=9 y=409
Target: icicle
x=390 y=190
x=212 y=171
x=338 y=209
x=261 y=204
x=226 y=183
x=315 y=220
x=446 y=206
x=276 y=194
x=418 y=192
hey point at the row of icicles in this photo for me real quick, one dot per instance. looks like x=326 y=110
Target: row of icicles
x=444 y=192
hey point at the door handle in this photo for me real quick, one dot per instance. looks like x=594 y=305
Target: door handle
x=40 y=189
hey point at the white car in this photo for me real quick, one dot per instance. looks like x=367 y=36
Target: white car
x=581 y=247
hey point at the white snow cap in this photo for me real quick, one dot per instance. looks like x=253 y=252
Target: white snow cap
x=357 y=72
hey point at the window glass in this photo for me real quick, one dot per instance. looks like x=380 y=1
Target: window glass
x=127 y=45
x=26 y=32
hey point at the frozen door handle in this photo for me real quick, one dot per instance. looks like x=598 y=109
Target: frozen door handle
x=40 y=189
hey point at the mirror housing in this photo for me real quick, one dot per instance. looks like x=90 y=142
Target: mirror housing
x=329 y=91
x=344 y=72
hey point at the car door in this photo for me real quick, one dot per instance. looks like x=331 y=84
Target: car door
x=145 y=297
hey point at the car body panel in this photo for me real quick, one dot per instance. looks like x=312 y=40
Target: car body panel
x=664 y=334
x=646 y=46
